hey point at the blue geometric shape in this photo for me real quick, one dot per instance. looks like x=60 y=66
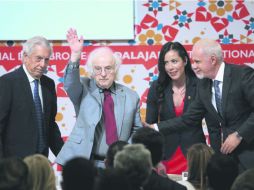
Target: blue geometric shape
x=230 y=18
x=226 y=40
x=201 y=3
x=61 y=79
x=160 y=26
x=150 y=41
x=155 y=4
x=182 y=18
x=131 y=42
x=86 y=43
x=155 y=77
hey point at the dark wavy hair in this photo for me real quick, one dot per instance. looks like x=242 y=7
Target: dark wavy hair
x=163 y=78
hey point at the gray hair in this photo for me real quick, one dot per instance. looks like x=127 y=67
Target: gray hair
x=95 y=53
x=134 y=161
x=211 y=47
x=31 y=43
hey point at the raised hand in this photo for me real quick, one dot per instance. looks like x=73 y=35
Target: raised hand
x=75 y=43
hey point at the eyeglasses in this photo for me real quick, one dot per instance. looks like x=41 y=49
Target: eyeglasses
x=107 y=70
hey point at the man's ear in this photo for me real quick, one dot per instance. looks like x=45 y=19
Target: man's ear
x=214 y=59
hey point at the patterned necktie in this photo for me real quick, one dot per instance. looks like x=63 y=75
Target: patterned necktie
x=216 y=84
x=39 y=118
x=109 y=118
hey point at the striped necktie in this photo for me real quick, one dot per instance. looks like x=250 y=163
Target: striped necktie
x=41 y=145
x=216 y=84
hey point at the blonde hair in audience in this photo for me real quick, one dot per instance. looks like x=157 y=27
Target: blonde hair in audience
x=41 y=175
x=198 y=156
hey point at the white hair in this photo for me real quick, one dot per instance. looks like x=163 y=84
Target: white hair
x=211 y=47
x=30 y=44
x=95 y=53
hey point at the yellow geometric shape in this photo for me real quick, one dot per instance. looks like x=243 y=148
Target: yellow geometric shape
x=212 y=7
x=228 y=7
x=150 y=33
x=194 y=40
x=127 y=79
x=173 y=4
x=220 y=12
x=59 y=117
x=245 y=39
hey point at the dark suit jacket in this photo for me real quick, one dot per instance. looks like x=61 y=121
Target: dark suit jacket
x=238 y=112
x=165 y=111
x=157 y=182
x=18 y=132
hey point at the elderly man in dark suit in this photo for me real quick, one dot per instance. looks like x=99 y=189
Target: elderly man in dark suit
x=28 y=105
x=225 y=98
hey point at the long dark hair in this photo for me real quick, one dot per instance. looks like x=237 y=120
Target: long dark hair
x=163 y=78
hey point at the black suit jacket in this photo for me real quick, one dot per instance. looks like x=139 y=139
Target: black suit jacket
x=238 y=112
x=18 y=132
x=165 y=111
x=157 y=182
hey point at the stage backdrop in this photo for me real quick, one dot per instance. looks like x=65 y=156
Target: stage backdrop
x=156 y=21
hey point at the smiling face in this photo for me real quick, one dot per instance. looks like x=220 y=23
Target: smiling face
x=174 y=65
x=36 y=63
x=104 y=71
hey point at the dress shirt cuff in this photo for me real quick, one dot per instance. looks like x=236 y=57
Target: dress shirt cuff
x=156 y=128
x=238 y=136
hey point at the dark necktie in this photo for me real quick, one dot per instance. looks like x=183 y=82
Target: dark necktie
x=109 y=118
x=217 y=96
x=39 y=118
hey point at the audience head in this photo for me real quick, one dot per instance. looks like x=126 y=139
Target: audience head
x=198 y=156
x=36 y=55
x=244 y=181
x=78 y=173
x=112 y=179
x=41 y=175
x=153 y=141
x=221 y=171
x=206 y=57
x=102 y=63
x=135 y=163
x=112 y=150
x=13 y=174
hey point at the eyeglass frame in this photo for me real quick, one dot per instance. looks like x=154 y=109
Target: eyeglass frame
x=98 y=70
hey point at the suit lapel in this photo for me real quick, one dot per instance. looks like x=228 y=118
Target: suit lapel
x=169 y=100
x=119 y=107
x=190 y=90
x=226 y=85
x=45 y=95
x=26 y=88
x=95 y=92
x=207 y=93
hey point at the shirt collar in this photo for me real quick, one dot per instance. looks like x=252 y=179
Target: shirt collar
x=30 y=78
x=112 y=89
x=220 y=73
